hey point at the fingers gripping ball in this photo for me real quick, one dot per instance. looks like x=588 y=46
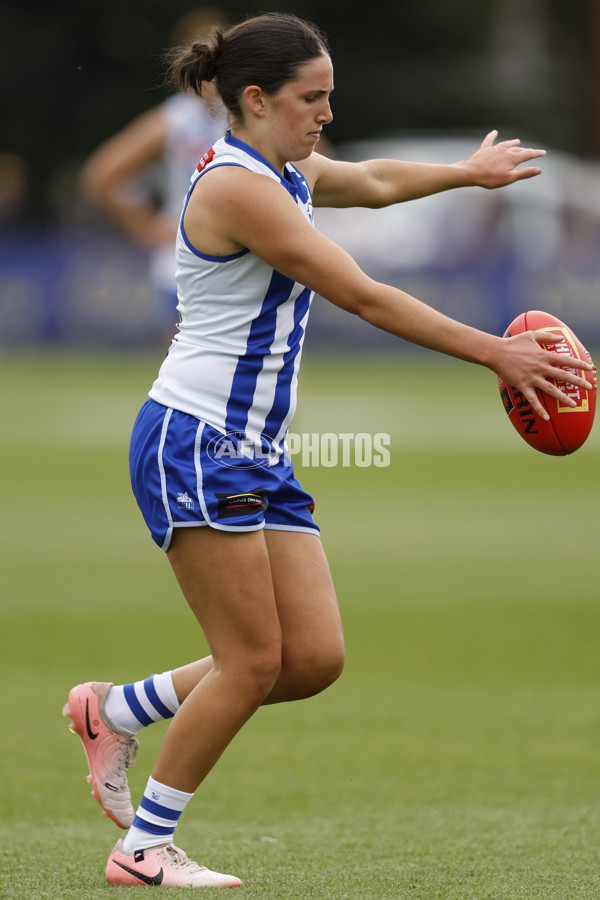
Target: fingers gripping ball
x=569 y=426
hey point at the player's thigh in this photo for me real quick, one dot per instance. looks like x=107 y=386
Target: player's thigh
x=305 y=596
x=226 y=579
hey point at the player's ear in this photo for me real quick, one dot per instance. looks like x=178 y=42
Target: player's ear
x=254 y=98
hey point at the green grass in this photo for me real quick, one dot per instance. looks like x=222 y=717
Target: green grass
x=458 y=755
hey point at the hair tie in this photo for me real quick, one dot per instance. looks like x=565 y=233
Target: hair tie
x=216 y=51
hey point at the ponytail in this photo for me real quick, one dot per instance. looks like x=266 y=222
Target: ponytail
x=191 y=66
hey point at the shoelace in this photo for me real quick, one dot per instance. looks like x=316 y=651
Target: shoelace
x=181 y=859
x=129 y=747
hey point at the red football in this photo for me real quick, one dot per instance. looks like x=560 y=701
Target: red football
x=569 y=426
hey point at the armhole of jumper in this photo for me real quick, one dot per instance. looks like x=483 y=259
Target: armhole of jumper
x=187 y=241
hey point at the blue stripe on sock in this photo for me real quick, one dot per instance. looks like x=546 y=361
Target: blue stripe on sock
x=155 y=700
x=135 y=706
x=150 y=828
x=164 y=812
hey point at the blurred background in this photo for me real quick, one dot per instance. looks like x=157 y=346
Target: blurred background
x=420 y=81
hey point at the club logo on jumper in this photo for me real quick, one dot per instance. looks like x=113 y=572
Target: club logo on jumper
x=230 y=506
x=184 y=501
x=235 y=450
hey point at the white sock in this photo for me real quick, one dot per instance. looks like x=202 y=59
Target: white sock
x=156 y=817
x=133 y=706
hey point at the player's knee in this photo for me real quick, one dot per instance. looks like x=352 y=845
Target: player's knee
x=327 y=673
x=250 y=671
x=335 y=667
x=314 y=672
x=261 y=671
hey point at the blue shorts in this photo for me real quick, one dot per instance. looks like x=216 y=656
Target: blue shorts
x=185 y=473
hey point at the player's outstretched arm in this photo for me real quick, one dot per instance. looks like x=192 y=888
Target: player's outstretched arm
x=519 y=360
x=248 y=210
x=377 y=183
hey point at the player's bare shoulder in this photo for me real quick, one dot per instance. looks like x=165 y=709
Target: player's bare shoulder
x=214 y=203
x=231 y=204
x=234 y=187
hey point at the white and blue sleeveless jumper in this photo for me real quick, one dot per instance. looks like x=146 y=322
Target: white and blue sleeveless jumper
x=234 y=363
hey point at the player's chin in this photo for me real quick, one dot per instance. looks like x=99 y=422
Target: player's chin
x=309 y=143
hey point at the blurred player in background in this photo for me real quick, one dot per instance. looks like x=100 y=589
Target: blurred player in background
x=208 y=462
x=140 y=176
x=152 y=159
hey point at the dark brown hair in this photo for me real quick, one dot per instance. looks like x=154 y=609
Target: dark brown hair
x=265 y=50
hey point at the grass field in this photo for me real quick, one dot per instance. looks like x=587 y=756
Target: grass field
x=458 y=756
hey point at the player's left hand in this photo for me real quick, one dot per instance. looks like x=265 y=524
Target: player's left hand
x=533 y=368
x=495 y=165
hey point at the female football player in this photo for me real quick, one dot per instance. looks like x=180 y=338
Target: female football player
x=208 y=461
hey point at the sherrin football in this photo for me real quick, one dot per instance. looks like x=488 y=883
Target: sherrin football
x=569 y=426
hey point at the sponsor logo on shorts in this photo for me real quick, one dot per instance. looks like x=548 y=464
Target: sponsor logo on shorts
x=230 y=506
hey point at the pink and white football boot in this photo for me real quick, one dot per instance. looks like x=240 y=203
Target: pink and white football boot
x=162 y=866
x=109 y=753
